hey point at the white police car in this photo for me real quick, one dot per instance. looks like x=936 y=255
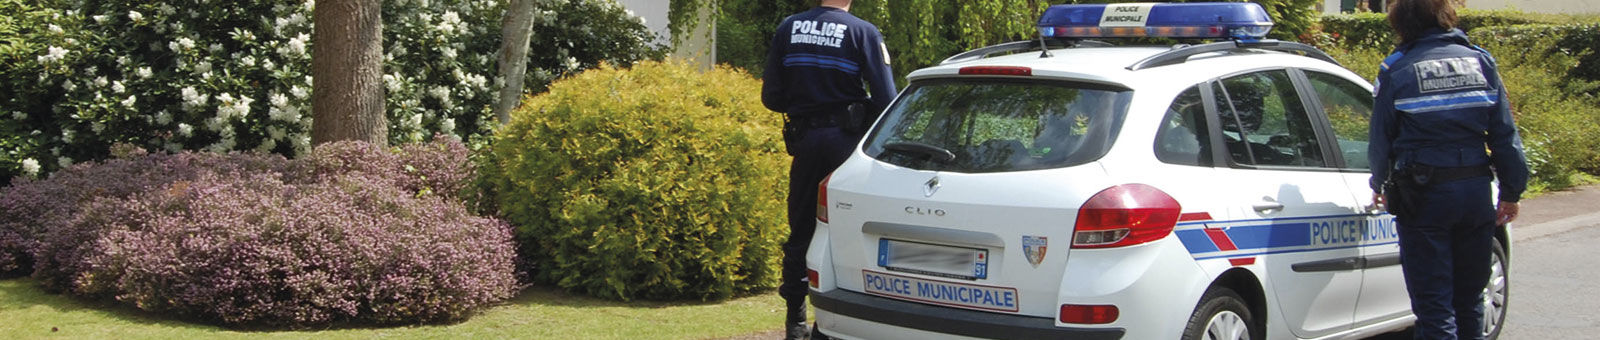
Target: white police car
x=1214 y=191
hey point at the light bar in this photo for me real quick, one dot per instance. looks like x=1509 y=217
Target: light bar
x=1236 y=20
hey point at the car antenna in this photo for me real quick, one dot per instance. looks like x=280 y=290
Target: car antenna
x=1044 y=48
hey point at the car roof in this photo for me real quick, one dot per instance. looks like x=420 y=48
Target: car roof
x=1111 y=65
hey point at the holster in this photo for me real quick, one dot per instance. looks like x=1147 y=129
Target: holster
x=1403 y=189
x=856 y=119
x=792 y=134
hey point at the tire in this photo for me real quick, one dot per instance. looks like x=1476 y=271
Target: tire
x=1496 y=294
x=1222 y=315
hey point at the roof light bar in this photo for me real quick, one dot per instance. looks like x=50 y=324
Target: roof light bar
x=1236 y=20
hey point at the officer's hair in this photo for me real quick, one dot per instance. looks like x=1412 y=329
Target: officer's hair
x=1412 y=18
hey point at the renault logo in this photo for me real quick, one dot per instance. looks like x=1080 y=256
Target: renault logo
x=930 y=187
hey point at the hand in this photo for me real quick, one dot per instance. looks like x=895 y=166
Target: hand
x=1379 y=202
x=1506 y=212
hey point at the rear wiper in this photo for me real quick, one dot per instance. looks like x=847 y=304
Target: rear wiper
x=934 y=153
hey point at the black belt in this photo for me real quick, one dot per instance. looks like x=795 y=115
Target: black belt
x=1446 y=174
x=814 y=121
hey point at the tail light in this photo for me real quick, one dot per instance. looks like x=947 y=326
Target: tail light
x=1089 y=315
x=1125 y=215
x=811 y=277
x=822 y=199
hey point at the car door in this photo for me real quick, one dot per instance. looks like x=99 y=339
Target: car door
x=1347 y=106
x=1291 y=206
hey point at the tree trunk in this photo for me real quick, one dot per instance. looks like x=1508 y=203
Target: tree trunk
x=347 y=71
x=516 y=30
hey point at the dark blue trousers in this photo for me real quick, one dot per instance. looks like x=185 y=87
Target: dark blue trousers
x=818 y=152
x=1445 y=249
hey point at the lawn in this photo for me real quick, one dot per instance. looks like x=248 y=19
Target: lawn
x=537 y=313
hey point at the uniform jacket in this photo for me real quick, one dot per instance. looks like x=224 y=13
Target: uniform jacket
x=818 y=60
x=1439 y=102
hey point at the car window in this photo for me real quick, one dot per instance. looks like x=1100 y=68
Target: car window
x=1184 y=138
x=991 y=125
x=1348 y=106
x=1264 y=121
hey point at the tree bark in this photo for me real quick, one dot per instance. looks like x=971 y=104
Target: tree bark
x=516 y=30
x=347 y=71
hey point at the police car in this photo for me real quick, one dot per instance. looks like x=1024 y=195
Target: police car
x=1064 y=188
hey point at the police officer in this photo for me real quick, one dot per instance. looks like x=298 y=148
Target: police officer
x=1441 y=129
x=815 y=69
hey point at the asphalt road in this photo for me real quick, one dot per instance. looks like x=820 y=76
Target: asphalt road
x=1555 y=287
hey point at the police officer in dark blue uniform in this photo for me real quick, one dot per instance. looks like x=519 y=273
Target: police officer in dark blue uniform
x=815 y=69
x=1441 y=129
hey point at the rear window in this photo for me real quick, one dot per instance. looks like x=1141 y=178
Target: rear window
x=976 y=126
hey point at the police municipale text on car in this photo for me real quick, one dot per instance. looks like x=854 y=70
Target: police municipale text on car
x=1061 y=188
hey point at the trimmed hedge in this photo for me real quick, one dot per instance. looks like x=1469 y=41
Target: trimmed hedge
x=1371 y=30
x=353 y=233
x=655 y=182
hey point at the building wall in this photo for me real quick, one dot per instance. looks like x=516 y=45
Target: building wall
x=700 y=45
x=1539 y=6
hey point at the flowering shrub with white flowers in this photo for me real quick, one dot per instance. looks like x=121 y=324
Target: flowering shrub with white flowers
x=235 y=75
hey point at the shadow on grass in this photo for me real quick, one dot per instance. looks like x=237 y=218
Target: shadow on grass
x=25 y=293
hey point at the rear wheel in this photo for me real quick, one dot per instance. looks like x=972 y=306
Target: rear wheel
x=1221 y=315
x=1495 y=294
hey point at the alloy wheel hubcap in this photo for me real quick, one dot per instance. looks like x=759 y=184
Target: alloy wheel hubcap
x=1494 y=296
x=1227 y=325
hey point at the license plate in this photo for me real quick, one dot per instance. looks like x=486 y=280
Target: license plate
x=955 y=294
x=933 y=259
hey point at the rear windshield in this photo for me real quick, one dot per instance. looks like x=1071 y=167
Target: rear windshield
x=976 y=126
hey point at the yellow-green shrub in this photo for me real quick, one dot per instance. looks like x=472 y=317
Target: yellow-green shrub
x=655 y=182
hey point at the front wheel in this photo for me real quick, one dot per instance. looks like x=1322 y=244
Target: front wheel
x=1221 y=315
x=1495 y=294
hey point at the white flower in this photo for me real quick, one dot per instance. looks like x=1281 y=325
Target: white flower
x=69 y=86
x=192 y=98
x=64 y=162
x=66 y=136
x=215 y=48
x=167 y=9
x=116 y=87
x=266 y=145
x=447 y=125
x=53 y=54
x=56 y=29
x=122 y=61
x=100 y=81
x=182 y=44
x=100 y=18
x=392 y=83
x=185 y=130
x=441 y=92
x=130 y=101
x=248 y=61
x=449 y=53
x=202 y=67
x=268 y=65
x=18 y=115
x=298 y=92
x=135 y=16
x=214 y=123
x=30 y=167
x=572 y=63
x=143 y=72
x=278 y=100
x=163 y=117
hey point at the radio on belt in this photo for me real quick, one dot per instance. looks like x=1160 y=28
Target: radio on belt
x=1235 y=20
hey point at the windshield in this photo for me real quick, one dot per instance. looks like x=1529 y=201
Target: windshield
x=976 y=126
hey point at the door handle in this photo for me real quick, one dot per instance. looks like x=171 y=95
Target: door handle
x=1267 y=207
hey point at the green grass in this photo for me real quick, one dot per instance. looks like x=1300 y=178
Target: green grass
x=537 y=313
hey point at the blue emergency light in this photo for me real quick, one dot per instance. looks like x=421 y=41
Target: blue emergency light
x=1236 y=20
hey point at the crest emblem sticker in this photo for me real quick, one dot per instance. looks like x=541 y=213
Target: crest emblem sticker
x=930 y=187
x=1034 y=247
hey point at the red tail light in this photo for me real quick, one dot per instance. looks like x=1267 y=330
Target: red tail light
x=997 y=71
x=1125 y=215
x=811 y=277
x=1091 y=315
x=822 y=200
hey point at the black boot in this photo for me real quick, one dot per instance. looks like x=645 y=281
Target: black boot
x=794 y=322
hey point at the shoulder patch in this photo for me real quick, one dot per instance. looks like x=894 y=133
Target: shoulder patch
x=1383 y=67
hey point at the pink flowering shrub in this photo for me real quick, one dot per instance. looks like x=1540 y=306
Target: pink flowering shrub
x=352 y=233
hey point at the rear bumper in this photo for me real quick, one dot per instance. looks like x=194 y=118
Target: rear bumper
x=949 y=320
